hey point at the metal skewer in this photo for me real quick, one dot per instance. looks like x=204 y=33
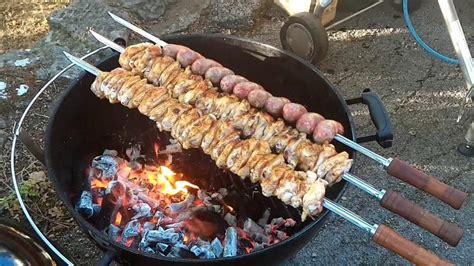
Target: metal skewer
x=390 y=200
x=394 y=167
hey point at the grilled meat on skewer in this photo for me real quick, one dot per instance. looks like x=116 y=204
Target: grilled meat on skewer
x=298 y=150
x=190 y=127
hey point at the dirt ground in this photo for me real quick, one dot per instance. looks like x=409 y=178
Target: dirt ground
x=24 y=22
x=373 y=51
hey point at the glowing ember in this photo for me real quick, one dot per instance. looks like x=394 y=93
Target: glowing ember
x=151 y=208
x=118 y=219
x=96 y=183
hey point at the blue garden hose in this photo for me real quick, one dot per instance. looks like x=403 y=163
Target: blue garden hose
x=420 y=42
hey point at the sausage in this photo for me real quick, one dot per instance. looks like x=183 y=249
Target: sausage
x=187 y=56
x=293 y=111
x=228 y=82
x=172 y=50
x=215 y=74
x=243 y=89
x=257 y=98
x=307 y=122
x=200 y=66
x=339 y=127
x=325 y=131
x=274 y=105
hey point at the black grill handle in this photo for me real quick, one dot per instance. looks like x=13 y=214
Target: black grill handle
x=379 y=116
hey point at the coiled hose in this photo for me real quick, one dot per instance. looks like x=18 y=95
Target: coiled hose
x=426 y=47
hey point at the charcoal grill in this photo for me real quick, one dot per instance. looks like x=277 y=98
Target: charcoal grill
x=82 y=126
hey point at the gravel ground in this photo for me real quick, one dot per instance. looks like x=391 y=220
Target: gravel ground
x=422 y=96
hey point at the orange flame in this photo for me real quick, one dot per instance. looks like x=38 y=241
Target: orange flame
x=164 y=180
x=96 y=183
x=118 y=218
x=157 y=148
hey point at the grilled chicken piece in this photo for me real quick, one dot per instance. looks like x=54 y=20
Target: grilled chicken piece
x=142 y=64
x=273 y=129
x=171 y=116
x=267 y=169
x=124 y=59
x=220 y=144
x=152 y=99
x=197 y=130
x=222 y=158
x=281 y=140
x=125 y=82
x=313 y=199
x=157 y=69
x=261 y=148
x=112 y=79
x=330 y=163
x=308 y=155
x=156 y=114
x=126 y=94
x=206 y=101
x=269 y=185
x=256 y=171
x=242 y=157
x=180 y=130
x=140 y=94
x=97 y=84
x=328 y=151
x=290 y=151
x=183 y=83
x=287 y=187
x=169 y=73
x=221 y=104
x=193 y=94
x=335 y=174
x=263 y=121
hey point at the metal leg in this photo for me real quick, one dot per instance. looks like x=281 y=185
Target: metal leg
x=467 y=148
x=466 y=62
x=321 y=5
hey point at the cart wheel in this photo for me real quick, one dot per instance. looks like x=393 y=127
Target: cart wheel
x=413 y=5
x=304 y=35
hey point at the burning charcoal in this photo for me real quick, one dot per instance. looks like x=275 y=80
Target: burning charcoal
x=217 y=196
x=260 y=246
x=281 y=235
x=149 y=250
x=264 y=220
x=147 y=226
x=251 y=227
x=143 y=244
x=172 y=148
x=163 y=236
x=96 y=208
x=108 y=164
x=132 y=229
x=113 y=231
x=223 y=191
x=142 y=210
x=150 y=201
x=196 y=250
x=84 y=205
x=115 y=187
x=230 y=219
x=176 y=226
x=216 y=247
x=113 y=153
x=281 y=222
x=162 y=247
x=260 y=238
x=230 y=242
x=181 y=252
x=180 y=206
x=133 y=152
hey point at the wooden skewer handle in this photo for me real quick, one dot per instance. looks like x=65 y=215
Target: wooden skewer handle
x=391 y=240
x=429 y=184
x=448 y=232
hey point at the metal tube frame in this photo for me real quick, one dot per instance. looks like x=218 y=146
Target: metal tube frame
x=16 y=135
